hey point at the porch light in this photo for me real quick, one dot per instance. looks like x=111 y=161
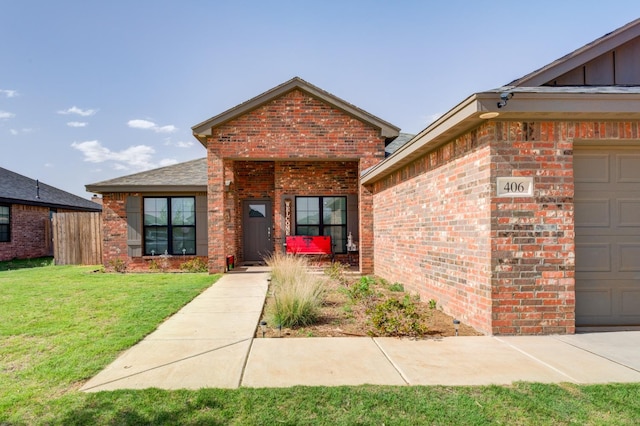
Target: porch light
x=456 y=325
x=487 y=115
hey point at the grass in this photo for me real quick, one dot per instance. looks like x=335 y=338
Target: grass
x=60 y=325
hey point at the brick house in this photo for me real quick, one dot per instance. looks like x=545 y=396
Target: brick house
x=518 y=211
x=26 y=208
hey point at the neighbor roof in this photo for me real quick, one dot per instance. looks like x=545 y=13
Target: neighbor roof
x=19 y=189
x=189 y=176
x=202 y=130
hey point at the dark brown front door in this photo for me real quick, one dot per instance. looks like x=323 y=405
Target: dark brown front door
x=256 y=220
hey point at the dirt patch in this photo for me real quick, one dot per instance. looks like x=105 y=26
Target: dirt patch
x=341 y=317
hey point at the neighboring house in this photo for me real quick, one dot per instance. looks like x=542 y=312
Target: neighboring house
x=26 y=208
x=518 y=211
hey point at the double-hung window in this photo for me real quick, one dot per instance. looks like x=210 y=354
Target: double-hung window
x=323 y=216
x=5 y=224
x=169 y=225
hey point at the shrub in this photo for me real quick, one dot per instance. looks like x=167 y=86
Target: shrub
x=432 y=303
x=361 y=290
x=397 y=287
x=336 y=271
x=397 y=317
x=194 y=265
x=297 y=294
x=118 y=265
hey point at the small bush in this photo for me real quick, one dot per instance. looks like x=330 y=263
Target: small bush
x=336 y=272
x=397 y=317
x=396 y=287
x=194 y=265
x=362 y=289
x=433 y=304
x=118 y=265
x=153 y=266
x=297 y=295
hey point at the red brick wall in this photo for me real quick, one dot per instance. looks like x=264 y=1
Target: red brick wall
x=517 y=275
x=533 y=237
x=30 y=233
x=432 y=228
x=114 y=235
x=293 y=127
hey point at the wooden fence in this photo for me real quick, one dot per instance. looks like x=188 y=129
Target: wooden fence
x=77 y=238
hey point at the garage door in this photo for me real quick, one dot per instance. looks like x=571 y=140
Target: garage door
x=607 y=226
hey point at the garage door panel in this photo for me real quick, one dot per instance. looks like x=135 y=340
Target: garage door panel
x=593 y=257
x=628 y=212
x=628 y=168
x=607 y=235
x=595 y=302
x=628 y=257
x=630 y=300
x=592 y=213
x=591 y=168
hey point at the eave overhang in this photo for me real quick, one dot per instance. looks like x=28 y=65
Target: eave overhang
x=5 y=200
x=164 y=189
x=526 y=104
x=203 y=130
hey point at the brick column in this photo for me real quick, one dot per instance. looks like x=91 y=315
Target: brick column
x=215 y=212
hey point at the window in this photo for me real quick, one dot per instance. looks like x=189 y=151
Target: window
x=5 y=224
x=169 y=225
x=323 y=216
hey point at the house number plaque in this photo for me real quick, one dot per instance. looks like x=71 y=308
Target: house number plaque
x=514 y=186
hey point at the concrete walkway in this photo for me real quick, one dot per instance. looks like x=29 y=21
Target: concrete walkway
x=209 y=343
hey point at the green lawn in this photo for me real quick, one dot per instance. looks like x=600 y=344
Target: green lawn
x=60 y=325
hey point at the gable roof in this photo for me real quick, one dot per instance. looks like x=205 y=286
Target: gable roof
x=530 y=98
x=190 y=176
x=581 y=56
x=18 y=189
x=202 y=130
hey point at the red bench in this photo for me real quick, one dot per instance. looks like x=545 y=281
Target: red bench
x=313 y=245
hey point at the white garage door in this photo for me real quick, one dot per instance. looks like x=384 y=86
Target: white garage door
x=607 y=226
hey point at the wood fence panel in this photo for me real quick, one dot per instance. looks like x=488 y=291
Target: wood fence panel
x=77 y=238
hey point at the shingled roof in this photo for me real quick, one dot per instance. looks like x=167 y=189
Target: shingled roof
x=188 y=176
x=18 y=189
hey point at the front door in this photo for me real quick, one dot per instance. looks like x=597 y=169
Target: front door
x=256 y=221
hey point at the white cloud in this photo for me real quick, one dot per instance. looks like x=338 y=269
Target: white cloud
x=16 y=132
x=178 y=144
x=433 y=117
x=150 y=125
x=138 y=157
x=77 y=124
x=75 y=110
x=6 y=115
x=9 y=93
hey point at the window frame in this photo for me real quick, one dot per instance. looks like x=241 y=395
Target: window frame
x=338 y=248
x=7 y=225
x=169 y=226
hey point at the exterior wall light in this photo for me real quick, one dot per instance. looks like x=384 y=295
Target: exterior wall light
x=456 y=325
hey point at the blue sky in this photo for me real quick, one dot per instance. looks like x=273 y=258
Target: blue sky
x=92 y=90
